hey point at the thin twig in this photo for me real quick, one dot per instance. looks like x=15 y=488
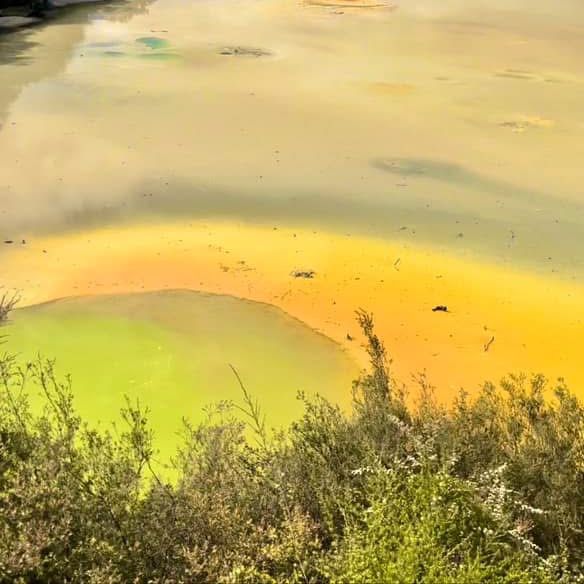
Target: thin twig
x=253 y=410
x=8 y=302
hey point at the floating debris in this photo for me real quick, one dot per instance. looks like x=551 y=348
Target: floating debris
x=487 y=345
x=517 y=74
x=307 y=274
x=351 y=4
x=524 y=123
x=244 y=52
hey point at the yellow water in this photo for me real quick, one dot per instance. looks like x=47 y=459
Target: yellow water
x=411 y=153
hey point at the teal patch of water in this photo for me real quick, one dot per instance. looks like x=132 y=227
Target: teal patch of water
x=172 y=351
x=153 y=43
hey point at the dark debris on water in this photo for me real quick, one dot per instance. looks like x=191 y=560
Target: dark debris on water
x=307 y=274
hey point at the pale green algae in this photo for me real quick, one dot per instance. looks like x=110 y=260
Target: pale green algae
x=172 y=351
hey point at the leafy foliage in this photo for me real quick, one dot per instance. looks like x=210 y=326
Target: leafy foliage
x=490 y=490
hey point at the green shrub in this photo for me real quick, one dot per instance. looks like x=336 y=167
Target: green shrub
x=490 y=490
x=433 y=528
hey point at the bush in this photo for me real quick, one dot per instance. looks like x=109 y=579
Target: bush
x=489 y=490
x=431 y=527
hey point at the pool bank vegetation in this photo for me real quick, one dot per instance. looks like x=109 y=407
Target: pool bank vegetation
x=489 y=490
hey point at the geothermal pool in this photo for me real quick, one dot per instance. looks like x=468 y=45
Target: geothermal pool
x=172 y=352
x=406 y=154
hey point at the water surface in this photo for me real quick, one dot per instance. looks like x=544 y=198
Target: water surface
x=172 y=351
x=448 y=134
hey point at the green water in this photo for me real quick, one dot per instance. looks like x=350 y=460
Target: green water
x=172 y=351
